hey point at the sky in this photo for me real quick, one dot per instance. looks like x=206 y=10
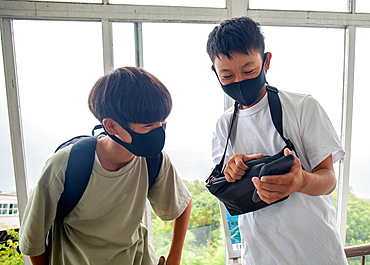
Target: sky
x=57 y=66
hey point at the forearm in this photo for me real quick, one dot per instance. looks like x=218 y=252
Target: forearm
x=42 y=259
x=320 y=182
x=179 y=232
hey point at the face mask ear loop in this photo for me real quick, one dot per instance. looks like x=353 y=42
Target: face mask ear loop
x=264 y=60
x=115 y=138
x=214 y=70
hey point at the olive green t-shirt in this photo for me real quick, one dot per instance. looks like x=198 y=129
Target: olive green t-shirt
x=105 y=226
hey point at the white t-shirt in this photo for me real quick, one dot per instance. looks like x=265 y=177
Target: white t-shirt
x=105 y=226
x=301 y=229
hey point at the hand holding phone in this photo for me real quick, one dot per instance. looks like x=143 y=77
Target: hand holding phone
x=277 y=167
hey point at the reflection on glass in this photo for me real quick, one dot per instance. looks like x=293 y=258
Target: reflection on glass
x=358 y=216
x=123 y=44
x=190 y=3
x=176 y=54
x=57 y=67
x=7 y=183
x=313 y=5
x=362 y=6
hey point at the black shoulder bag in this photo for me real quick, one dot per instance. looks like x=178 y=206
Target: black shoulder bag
x=238 y=196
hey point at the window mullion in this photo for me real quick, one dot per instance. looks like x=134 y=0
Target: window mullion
x=107 y=44
x=346 y=135
x=12 y=93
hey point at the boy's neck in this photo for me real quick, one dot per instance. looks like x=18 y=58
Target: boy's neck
x=111 y=155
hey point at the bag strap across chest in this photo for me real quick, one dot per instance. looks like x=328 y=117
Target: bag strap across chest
x=276 y=115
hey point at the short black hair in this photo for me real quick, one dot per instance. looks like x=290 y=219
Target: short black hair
x=237 y=35
x=130 y=94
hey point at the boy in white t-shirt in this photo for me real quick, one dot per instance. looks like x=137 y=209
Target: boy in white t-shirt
x=301 y=229
x=105 y=226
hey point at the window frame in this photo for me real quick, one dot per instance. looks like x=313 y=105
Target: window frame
x=137 y=14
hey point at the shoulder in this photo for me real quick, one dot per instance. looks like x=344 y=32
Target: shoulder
x=60 y=158
x=166 y=163
x=296 y=99
x=226 y=116
x=55 y=167
x=223 y=122
x=167 y=171
x=298 y=103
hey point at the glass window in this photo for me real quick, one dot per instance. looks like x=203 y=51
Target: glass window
x=57 y=66
x=3 y=209
x=123 y=44
x=358 y=211
x=15 y=209
x=313 y=5
x=309 y=61
x=191 y=3
x=180 y=61
x=7 y=183
x=363 y=6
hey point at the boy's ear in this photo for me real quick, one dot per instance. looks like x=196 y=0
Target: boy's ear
x=110 y=126
x=268 y=60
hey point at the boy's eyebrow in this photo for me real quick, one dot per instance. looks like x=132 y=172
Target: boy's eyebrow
x=245 y=65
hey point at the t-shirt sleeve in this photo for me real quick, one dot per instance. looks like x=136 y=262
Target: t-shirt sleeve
x=318 y=134
x=169 y=196
x=41 y=206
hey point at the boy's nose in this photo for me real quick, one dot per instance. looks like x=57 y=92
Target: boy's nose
x=238 y=78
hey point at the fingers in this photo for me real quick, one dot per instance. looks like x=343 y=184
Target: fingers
x=270 y=193
x=235 y=167
x=272 y=188
x=287 y=152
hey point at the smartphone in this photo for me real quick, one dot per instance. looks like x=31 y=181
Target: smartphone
x=278 y=167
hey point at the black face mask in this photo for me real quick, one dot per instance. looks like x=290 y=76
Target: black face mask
x=246 y=92
x=144 y=144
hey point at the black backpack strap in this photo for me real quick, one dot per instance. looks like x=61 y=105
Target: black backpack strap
x=277 y=113
x=154 y=166
x=80 y=163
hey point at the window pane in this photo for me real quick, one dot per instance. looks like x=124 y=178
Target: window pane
x=180 y=61
x=193 y=3
x=313 y=5
x=123 y=44
x=7 y=183
x=4 y=209
x=57 y=66
x=308 y=61
x=358 y=225
x=363 y=6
